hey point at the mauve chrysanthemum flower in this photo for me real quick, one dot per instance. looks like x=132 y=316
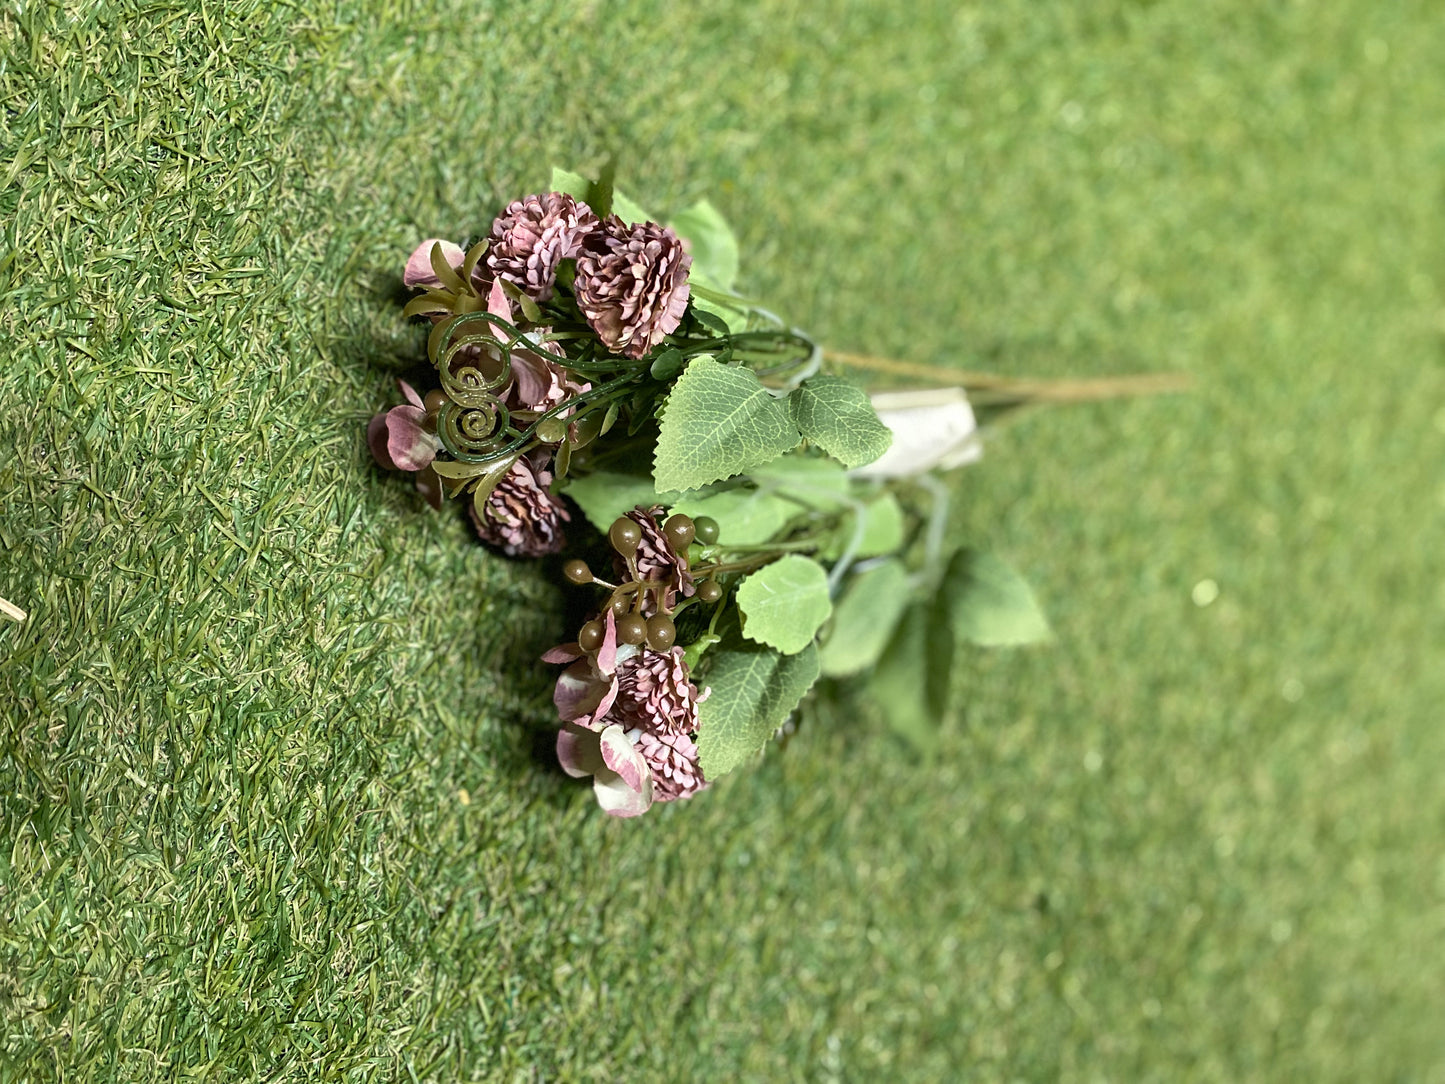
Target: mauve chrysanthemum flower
x=533 y=235
x=656 y=560
x=632 y=284
x=672 y=763
x=645 y=697
x=519 y=515
x=655 y=691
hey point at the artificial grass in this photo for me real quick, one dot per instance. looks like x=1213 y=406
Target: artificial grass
x=270 y=794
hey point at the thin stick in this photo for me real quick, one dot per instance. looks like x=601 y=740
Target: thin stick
x=1011 y=389
x=12 y=611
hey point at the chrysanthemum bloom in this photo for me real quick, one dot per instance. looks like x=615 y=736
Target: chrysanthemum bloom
x=640 y=696
x=533 y=235
x=656 y=560
x=400 y=440
x=672 y=762
x=632 y=284
x=519 y=515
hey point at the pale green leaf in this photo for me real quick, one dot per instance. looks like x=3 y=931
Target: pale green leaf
x=735 y=319
x=835 y=414
x=813 y=481
x=883 y=530
x=910 y=683
x=719 y=421
x=864 y=619
x=627 y=210
x=573 y=184
x=604 y=495
x=745 y=517
x=712 y=243
x=753 y=690
x=785 y=603
x=990 y=604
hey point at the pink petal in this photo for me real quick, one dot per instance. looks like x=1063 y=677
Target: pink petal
x=579 y=752
x=617 y=799
x=577 y=692
x=533 y=380
x=410 y=446
x=419 y=273
x=607 y=653
x=376 y=437
x=624 y=758
x=562 y=653
x=498 y=303
x=411 y=396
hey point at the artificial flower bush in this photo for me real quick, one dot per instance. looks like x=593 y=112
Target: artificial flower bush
x=769 y=526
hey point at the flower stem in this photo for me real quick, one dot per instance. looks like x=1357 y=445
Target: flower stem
x=987 y=388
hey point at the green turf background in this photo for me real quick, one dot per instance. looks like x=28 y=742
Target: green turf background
x=269 y=802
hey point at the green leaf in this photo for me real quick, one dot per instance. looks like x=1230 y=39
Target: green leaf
x=718 y=421
x=574 y=184
x=911 y=681
x=809 y=480
x=990 y=604
x=735 y=320
x=864 y=619
x=745 y=516
x=624 y=208
x=667 y=364
x=712 y=243
x=883 y=530
x=835 y=414
x=753 y=690
x=599 y=193
x=604 y=495
x=785 y=603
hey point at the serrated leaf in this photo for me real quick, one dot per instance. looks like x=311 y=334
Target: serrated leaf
x=753 y=690
x=911 y=681
x=835 y=414
x=719 y=421
x=785 y=603
x=864 y=619
x=712 y=243
x=990 y=604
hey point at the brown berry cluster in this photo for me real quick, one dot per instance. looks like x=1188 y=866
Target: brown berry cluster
x=653 y=569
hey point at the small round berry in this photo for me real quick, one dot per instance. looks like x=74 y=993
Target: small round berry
x=679 y=530
x=551 y=431
x=591 y=636
x=577 y=571
x=709 y=590
x=707 y=529
x=631 y=629
x=434 y=400
x=626 y=536
x=661 y=632
x=619 y=605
